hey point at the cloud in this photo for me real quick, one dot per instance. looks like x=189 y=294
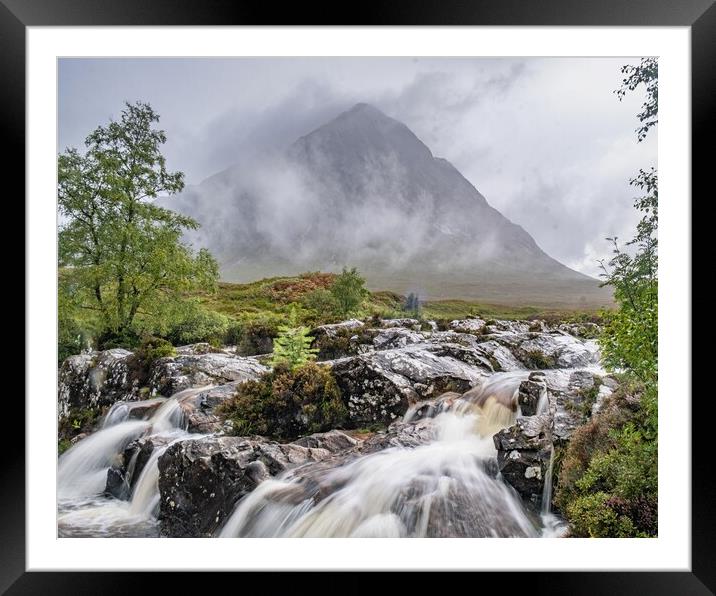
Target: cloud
x=544 y=140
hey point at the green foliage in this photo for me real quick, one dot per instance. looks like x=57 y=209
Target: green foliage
x=292 y=347
x=614 y=455
x=538 y=360
x=63 y=445
x=121 y=255
x=285 y=404
x=323 y=303
x=592 y=517
x=196 y=324
x=78 y=420
x=343 y=342
x=257 y=336
x=349 y=291
x=608 y=477
x=647 y=74
x=152 y=348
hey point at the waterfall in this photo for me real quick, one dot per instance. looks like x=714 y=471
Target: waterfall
x=447 y=487
x=82 y=469
x=121 y=411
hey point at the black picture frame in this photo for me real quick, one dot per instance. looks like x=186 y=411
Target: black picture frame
x=699 y=15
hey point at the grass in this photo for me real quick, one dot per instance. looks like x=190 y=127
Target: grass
x=271 y=298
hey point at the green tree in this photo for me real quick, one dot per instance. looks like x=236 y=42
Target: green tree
x=292 y=347
x=349 y=290
x=121 y=253
x=630 y=338
x=608 y=476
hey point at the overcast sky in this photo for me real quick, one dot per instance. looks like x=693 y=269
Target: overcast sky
x=545 y=140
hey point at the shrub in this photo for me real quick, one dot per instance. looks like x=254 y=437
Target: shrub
x=349 y=291
x=343 y=342
x=323 y=306
x=198 y=325
x=613 y=455
x=285 y=404
x=78 y=420
x=257 y=337
x=152 y=348
x=537 y=359
x=592 y=517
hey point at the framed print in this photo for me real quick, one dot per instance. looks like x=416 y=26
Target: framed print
x=355 y=283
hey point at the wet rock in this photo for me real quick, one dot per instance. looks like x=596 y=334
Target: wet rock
x=381 y=385
x=523 y=454
x=200 y=349
x=333 y=441
x=200 y=481
x=549 y=350
x=411 y=324
x=529 y=394
x=173 y=374
x=397 y=337
x=123 y=475
x=468 y=325
x=337 y=328
x=96 y=379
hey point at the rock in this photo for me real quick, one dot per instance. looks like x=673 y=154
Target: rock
x=342 y=339
x=201 y=348
x=173 y=374
x=499 y=356
x=549 y=350
x=529 y=394
x=572 y=395
x=200 y=481
x=412 y=324
x=333 y=441
x=523 y=454
x=123 y=475
x=96 y=379
x=432 y=407
x=396 y=337
x=380 y=386
x=337 y=328
x=468 y=325
x=584 y=330
x=199 y=409
x=78 y=438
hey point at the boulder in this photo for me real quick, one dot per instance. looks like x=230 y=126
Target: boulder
x=123 y=475
x=553 y=349
x=96 y=380
x=173 y=374
x=200 y=481
x=380 y=386
x=468 y=325
x=523 y=455
x=412 y=324
x=334 y=441
x=529 y=394
x=396 y=337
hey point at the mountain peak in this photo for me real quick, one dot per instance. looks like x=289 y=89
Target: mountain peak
x=366 y=113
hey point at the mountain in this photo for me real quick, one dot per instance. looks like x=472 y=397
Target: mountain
x=363 y=190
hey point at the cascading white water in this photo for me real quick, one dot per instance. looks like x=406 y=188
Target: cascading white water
x=120 y=411
x=445 y=488
x=82 y=470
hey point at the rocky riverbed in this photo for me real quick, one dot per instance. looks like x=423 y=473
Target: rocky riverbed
x=470 y=419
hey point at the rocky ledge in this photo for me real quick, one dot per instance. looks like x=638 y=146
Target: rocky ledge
x=382 y=369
